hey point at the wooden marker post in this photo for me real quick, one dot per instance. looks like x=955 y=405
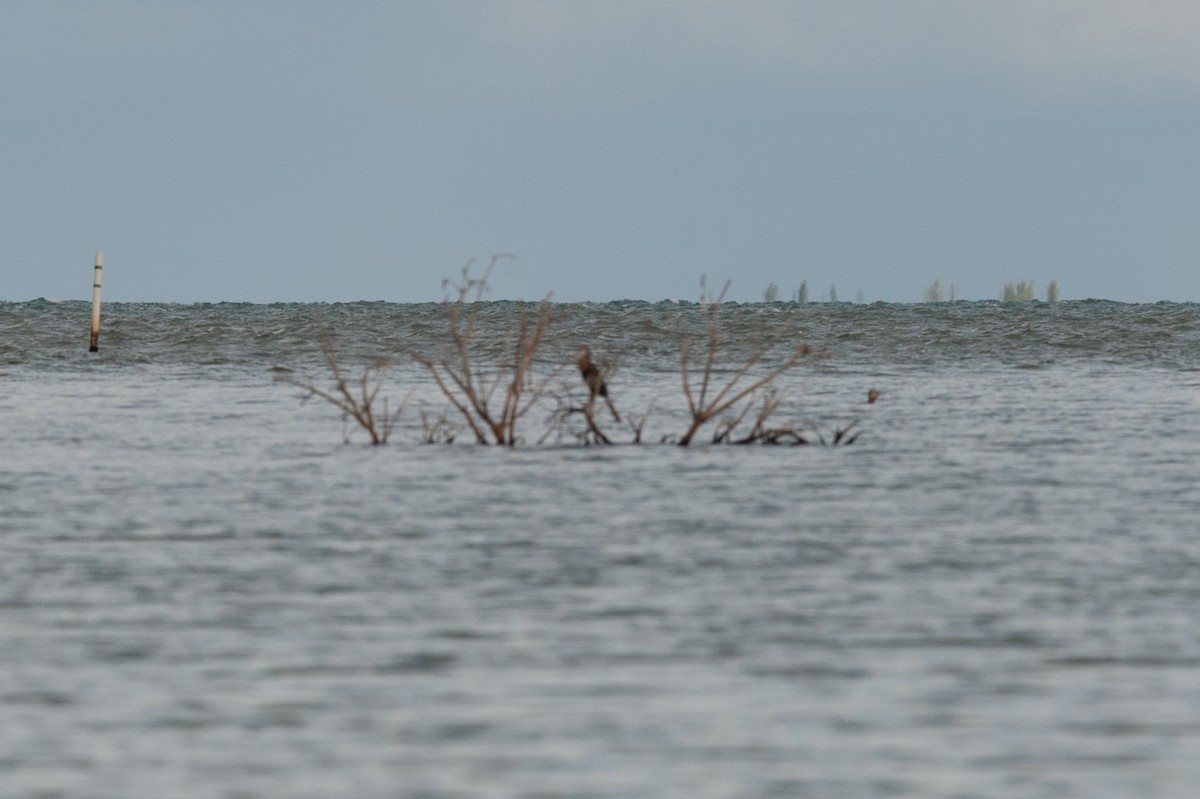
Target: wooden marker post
x=95 y=345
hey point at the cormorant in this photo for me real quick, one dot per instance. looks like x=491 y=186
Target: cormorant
x=595 y=381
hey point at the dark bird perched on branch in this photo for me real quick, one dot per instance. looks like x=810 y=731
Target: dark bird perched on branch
x=594 y=380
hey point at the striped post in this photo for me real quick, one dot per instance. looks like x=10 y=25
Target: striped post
x=95 y=345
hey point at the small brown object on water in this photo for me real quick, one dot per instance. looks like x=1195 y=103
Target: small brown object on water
x=872 y=395
x=594 y=380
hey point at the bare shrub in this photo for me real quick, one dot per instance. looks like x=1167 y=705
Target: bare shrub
x=638 y=426
x=355 y=399
x=765 y=430
x=490 y=398
x=709 y=399
x=760 y=431
x=438 y=429
x=489 y=381
x=560 y=423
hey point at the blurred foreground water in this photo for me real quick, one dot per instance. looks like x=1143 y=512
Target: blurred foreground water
x=992 y=593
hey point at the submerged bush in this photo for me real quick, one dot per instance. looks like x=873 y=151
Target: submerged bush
x=707 y=399
x=472 y=387
x=355 y=399
x=490 y=394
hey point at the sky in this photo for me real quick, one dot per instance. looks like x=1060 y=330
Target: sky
x=313 y=151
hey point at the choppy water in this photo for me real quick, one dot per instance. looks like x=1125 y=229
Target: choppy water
x=992 y=593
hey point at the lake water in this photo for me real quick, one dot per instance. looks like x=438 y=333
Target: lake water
x=993 y=592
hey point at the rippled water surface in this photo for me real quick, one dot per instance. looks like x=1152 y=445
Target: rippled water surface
x=204 y=592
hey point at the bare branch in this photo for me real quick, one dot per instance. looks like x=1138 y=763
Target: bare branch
x=475 y=389
x=360 y=407
x=710 y=400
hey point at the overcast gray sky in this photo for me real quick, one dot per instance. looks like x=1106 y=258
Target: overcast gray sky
x=268 y=151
